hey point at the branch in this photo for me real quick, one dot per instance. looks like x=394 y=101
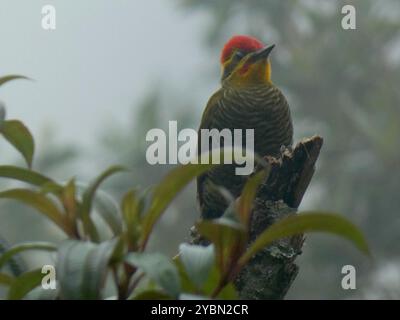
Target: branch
x=272 y=271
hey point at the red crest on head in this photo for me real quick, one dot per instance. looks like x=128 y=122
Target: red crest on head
x=241 y=42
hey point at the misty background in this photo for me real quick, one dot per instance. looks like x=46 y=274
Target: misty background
x=112 y=70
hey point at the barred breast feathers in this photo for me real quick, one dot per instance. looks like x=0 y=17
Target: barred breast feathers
x=262 y=108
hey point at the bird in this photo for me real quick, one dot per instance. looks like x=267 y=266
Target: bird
x=247 y=99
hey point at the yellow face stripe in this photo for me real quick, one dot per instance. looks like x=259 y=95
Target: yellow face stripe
x=243 y=73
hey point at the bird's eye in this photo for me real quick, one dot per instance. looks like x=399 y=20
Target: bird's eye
x=238 y=55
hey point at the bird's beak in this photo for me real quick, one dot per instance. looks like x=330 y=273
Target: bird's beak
x=261 y=54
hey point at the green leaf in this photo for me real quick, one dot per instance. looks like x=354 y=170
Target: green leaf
x=5 y=279
x=166 y=191
x=248 y=195
x=68 y=198
x=82 y=268
x=41 y=203
x=187 y=284
x=188 y=296
x=307 y=222
x=25 y=283
x=151 y=295
x=15 y=264
x=228 y=293
x=19 y=136
x=87 y=201
x=2 y=114
x=96 y=268
x=132 y=205
x=228 y=237
x=8 y=78
x=198 y=261
x=109 y=211
x=71 y=260
x=24 y=175
x=90 y=192
x=40 y=293
x=53 y=188
x=207 y=287
x=6 y=256
x=158 y=268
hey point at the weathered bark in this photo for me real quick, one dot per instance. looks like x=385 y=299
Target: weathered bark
x=272 y=271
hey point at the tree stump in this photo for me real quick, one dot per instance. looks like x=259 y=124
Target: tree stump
x=271 y=272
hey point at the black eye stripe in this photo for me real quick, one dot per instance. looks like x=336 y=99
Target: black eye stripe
x=233 y=61
x=239 y=54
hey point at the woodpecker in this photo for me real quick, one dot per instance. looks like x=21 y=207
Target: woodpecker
x=247 y=99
